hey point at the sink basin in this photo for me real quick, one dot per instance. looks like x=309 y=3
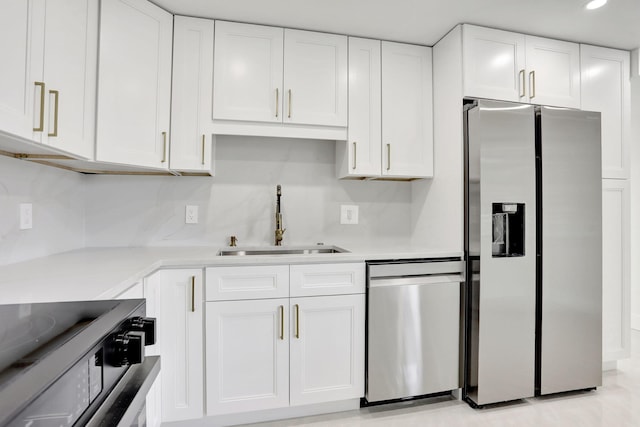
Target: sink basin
x=281 y=250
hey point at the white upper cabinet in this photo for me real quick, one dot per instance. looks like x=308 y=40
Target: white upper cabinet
x=248 y=72
x=407 y=119
x=21 y=46
x=515 y=67
x=360 y=156
x=606 y=88
x=494 y=63
x=553 y=68
x=315 y=78
x=192 y=144
x=134 y=88
x=270 y=81
x=70 y=73
x=48 y=90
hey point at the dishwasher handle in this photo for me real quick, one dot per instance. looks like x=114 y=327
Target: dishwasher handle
x=415 y=280
x=415 y=268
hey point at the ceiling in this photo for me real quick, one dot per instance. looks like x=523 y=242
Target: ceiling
x=617 y=24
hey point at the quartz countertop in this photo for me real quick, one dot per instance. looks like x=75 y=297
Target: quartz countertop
x=103 y=273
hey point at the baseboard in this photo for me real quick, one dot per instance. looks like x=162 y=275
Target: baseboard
x=635 y=322
x=610 y=365
x=270 y=414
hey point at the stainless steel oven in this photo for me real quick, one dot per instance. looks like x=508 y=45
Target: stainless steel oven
x=75 y=363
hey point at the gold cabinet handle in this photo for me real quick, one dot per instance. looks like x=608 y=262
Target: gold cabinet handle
x=289 y=115
x=532 y=87
x=203 y=149
x=193 y=294
x=355 y=154
x=297 y=321
x=277 y=101
x=522 y=83
x=281 y=309
x=56 y=95
x=164 y=147
x=40 y=128
x=388 y=156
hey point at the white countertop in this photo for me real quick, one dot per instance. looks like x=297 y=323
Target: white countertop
x=103 y=273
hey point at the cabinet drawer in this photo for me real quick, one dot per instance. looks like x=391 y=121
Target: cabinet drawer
x=327 y=279
x=250 y=282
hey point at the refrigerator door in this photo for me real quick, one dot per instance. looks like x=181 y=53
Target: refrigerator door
x=501 y=193
x=571 y=329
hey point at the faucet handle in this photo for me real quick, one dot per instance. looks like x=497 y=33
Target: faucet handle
x=233 y=241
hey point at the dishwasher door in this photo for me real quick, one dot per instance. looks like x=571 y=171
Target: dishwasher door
x=413 y=345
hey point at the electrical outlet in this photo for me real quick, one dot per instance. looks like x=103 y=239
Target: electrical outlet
x=26 y=216
x=348 y=214
x=191 y=214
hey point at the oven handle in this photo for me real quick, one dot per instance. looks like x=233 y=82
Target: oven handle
x=127 y=398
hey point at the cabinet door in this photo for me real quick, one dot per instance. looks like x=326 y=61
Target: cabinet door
x=247 y=355
x=315 y=78
x=150 y=289
x=553 y=72
x=247 y=77
x=70 y=73
x=494 y=64
x=134 y=89
x=605 y=87
x=407 y=120
x=616 y=318
x=21 y=50
x=360 y=156
x=327 y=349
x=191 y=138
x=179 y=313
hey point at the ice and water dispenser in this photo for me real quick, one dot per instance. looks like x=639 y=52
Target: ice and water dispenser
x=508 y=230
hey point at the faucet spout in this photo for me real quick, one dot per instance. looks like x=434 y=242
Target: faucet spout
x=279 y=230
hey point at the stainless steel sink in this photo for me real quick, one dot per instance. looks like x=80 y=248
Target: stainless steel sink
x=281 y=250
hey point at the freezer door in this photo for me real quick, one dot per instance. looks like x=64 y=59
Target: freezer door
x=571 y=330
x=501 y=222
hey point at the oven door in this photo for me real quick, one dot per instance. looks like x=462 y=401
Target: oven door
x=125 y=405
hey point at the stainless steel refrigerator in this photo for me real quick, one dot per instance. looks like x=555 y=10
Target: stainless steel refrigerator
x=533 y=242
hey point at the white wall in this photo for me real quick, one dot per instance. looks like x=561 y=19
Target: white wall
x=58 y=210
x=635 y=191
x=240 y=201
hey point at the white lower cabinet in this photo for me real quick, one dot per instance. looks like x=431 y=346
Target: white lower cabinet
x=174 y=298
x=326 y=349
x=269 y=353
x=247 y=356
x=616 y=318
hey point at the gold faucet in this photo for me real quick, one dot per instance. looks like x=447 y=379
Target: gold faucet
x=279 y=230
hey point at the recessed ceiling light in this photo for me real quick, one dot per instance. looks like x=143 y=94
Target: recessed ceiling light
x=594 y=4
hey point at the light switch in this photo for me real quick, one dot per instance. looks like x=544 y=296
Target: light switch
x=26 y=216
x=348 y=214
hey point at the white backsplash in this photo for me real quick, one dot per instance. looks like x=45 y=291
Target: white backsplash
x=57 y=197
x=72 y=210
x=240 y=201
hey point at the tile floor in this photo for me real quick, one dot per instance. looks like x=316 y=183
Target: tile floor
x=615 y=404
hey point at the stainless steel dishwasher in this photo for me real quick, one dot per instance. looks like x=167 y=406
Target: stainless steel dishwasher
x=413 y=328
